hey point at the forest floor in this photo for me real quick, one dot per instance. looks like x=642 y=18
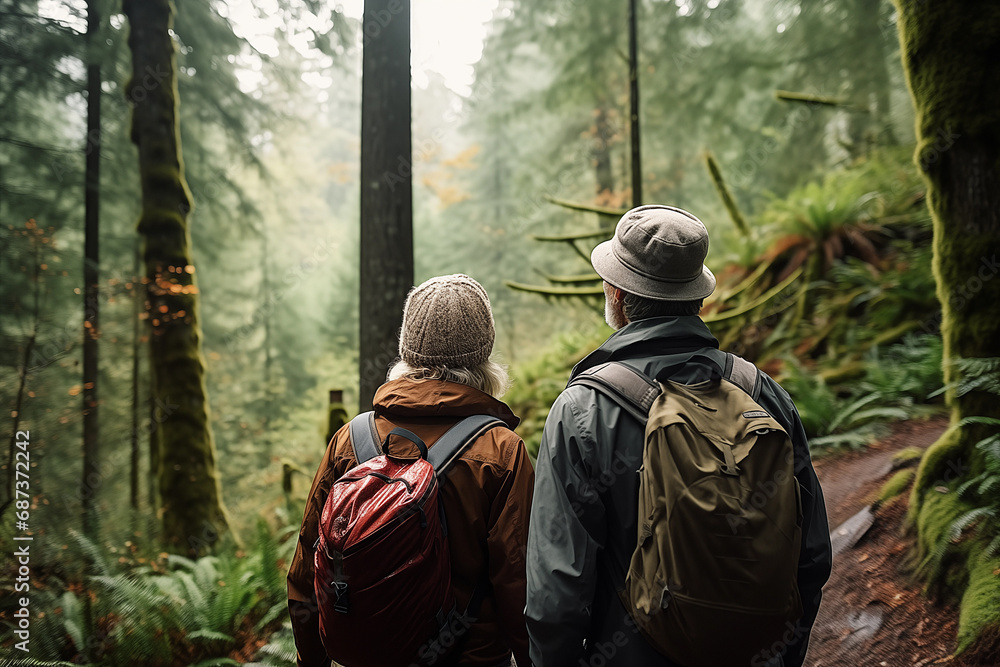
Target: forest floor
x=873 y=612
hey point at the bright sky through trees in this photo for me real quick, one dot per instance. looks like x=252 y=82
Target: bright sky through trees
x=447 y=35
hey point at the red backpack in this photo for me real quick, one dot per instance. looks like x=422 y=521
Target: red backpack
x=383 y=569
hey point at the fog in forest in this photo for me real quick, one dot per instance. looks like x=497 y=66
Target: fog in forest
x=786 y=126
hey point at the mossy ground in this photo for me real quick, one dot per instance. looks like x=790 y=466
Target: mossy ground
x=957 y=565
x=980 y=615
x=907 y=456
x=896 y=485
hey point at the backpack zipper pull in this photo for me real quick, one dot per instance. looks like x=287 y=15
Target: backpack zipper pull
x=339 y=585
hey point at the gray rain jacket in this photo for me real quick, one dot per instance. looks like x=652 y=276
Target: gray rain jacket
x=583 y=516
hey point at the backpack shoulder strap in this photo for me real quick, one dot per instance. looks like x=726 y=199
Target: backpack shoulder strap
x=631 y=389
x=364 y=437
x=743 y=374
x=450 y=446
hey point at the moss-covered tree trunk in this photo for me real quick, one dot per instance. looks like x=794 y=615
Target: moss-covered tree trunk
x=190 y=496
x=950 y=51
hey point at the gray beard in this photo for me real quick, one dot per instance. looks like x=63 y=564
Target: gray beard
x=613 y=316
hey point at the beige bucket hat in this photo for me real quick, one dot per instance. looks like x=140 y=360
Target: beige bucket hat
x=658 y=252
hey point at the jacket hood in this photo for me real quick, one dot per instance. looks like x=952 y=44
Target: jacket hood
x=408 y=399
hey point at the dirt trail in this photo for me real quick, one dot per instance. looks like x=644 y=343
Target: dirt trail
x=850 y=481
x=872 y=612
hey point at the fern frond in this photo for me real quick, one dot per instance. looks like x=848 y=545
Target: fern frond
x=274 y=612
x=883 y=414
x=73 y=619
x=216 y=662
x=852 y=439
x=174 y=560
x=280 y=648
x=210 y=635
x=960 y=524
x=993 y=548
x=845 y=413
x=974 y=419
x=92 y=552
x=963 y=490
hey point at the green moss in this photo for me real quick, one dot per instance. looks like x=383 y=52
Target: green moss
x=940 y=464
x=980 y=612
x=959 y=567
x=194 y=518
x=905 y=456
x=941 y=561
x=725 y=195
x=934 y=518
x=896 y=485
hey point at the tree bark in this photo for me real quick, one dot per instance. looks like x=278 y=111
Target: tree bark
x=136 y=345
x=91 y=480
x=633 y=80
x=189 y=489
x=872 y=84
x=949 y=59
x=386 y=188
x=22 y=374
x=268 y=416
x=949 y=54
x=603 y=173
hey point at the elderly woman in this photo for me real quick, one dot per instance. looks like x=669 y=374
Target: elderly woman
x=443 y=375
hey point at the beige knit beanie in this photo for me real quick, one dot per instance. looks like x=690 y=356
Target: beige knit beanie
x=447 y=321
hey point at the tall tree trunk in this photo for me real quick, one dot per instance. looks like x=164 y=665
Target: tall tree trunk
x=633 y=97
x=136 y=346
x=873 y=84
x=91 y=481
x=603 y=131
x=950 y=54
x=269 y=395
x=153 y=480
x=386 y=188
x=193 y=514
x=23 y=372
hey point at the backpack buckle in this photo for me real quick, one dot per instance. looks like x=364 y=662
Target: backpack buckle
x=665 y=598
x=340 y=592
x=730 y=467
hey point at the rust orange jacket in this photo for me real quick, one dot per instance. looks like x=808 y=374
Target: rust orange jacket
x=487 y=501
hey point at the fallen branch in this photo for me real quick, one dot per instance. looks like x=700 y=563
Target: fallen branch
x=789 y=96
x=589 y=208
x=555 y=291
x=764 y=298
x=569 y=238
x=725 y=195
x=582 y=278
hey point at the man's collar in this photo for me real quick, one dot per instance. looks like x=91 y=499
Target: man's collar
x=650 y=337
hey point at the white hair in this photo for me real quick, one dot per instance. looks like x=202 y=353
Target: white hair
x=488 y=377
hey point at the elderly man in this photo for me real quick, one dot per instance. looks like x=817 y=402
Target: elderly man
x=584 y=517
x=444 y=374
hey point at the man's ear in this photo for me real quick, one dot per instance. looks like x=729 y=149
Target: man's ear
x=619 y=294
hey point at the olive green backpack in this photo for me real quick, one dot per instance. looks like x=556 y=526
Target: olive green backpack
x=713 y=578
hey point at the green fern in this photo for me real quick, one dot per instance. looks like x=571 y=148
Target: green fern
x=73 y=619
x=983 y=490
x=92 y=553
x=279 y=650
